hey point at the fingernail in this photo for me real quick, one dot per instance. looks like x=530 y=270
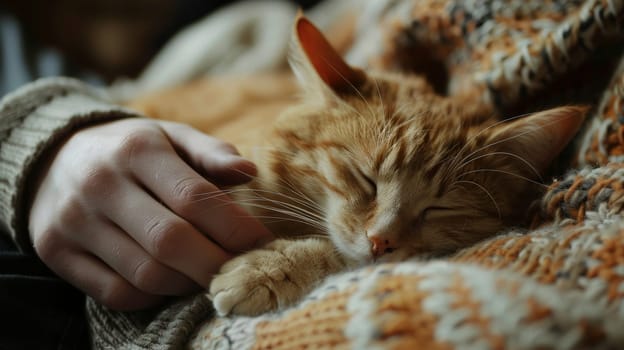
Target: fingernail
x=244 y=165
x=233 y=158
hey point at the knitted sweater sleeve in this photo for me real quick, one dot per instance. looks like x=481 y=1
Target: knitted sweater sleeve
x=32 y=120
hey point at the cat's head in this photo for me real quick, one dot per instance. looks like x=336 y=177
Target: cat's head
x=400 y=171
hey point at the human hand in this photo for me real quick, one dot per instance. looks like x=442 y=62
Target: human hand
x=121 y=213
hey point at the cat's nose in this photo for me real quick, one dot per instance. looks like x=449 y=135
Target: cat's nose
x=381 y=245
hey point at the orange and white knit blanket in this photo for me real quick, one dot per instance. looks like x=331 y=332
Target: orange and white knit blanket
x=559 y=285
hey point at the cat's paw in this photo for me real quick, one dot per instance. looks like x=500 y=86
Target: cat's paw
x=252 y=284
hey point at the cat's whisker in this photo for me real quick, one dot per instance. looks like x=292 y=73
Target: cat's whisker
x=534 y=129
x=503 y=172
x=287 y=186
x=468 y=142
x=318 y=236
x=446 y=166
x=301 y=199
x=331 y=65
x=291 y=216
x=494 y=144
x=282 y=152
x=312 y=211
x=285 y=205
x=348 y=105
x=199 y=197
x=384 y=127
x=270 y=148
x=307 y=203
x=304 y=199
x=389 y=127
x=263 y=203
x=221 y=192
x=381 y=101
x=289 y=219
x=282 y=187
x=389 y=124
x=313 y=216
x=486 y=129
x=284 y=210
x=498 y=211
x=509 y=154
x=309 y=207
x=466 y=158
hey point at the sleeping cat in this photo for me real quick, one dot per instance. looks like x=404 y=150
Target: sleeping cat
x=374 y=166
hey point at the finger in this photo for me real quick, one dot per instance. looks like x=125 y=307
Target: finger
x=78 y=227
x=217 y=160
x=231 y=172
x=165 y=236
x=199 y=202
x=93 y=277
x=124 y=255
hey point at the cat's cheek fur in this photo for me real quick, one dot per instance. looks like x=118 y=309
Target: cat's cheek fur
x=351 y=242
x=447 y=234
x=356 y=252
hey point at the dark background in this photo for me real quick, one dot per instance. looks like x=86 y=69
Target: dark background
x=110 y=37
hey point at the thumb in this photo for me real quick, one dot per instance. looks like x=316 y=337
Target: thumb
x=219 y=161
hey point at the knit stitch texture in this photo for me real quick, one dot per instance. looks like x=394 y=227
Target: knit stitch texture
x=559 y=284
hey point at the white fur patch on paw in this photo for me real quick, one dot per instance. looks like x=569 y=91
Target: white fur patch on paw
x=245 y=288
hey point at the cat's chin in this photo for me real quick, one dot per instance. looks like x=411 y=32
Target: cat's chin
x=356 y=252
x=396 y=256
x=353 y=259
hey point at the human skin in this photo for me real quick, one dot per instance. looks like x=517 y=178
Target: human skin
x=131 y=211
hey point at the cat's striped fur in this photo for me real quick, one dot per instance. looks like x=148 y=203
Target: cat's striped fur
x=373 y=166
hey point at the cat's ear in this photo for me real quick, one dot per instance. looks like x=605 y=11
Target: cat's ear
x=313 y=59
x=540 y=137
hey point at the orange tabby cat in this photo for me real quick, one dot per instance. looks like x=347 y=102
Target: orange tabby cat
x=375 y=167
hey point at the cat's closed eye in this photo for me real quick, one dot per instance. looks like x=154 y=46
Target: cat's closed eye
x=429 y=213
x=433 y=212
x=366 y=182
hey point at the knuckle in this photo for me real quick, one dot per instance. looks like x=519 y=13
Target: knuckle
x=116 y=294
x=185 y=194
x=146 y=275
x=178 y=127
x=70 y=212
x=48 y=244
x=164 y=237
x=136 y=143
x=97 y=179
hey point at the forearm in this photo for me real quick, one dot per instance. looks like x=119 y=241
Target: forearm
x=33 y=120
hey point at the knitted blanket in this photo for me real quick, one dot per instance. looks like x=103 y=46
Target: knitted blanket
x=559 y=284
